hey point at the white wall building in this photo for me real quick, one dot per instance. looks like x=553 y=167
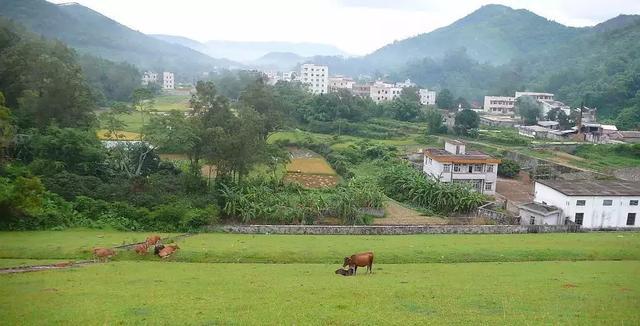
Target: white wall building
x=427 y=97
x=149 y=77
x=456 y=164
x=381 y=92
x=406 y=84
x=288 y=76
x=168 y=80
x=315 y=77
x=340 y=82
x=593 y=203
x=502 y=105
x=537 y=96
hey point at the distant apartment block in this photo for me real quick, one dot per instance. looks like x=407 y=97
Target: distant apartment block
x=502 y=105
x=382 y=92
x=149 y=77
x=168 y=81
x=362 y=90
x=340 y=82
x=316 y=78
x=427 y=97
x=407 y=83
x=456 y=164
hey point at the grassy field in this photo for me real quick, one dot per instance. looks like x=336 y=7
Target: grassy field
x=311 y=294
x=169 y=102
x=591 y=278
x=233 y=248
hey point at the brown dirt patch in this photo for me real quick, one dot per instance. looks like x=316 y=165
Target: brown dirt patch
x=311 y=165
x=396 y=214
x=515 y=190
x=569 y=286
x=313 y=181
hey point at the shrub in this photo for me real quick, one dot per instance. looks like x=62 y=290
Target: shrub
x=508 y=168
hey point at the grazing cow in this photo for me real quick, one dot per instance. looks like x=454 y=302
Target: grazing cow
x=152 y=240
x=344 y=272
x=142 y=248
x=157 y=248
x=359 y=260
x=168 y=250
x=103 y=253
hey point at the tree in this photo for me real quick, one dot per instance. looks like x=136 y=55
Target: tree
x=444 y=100
x=508 y=168
x=433 y=119
x=461 y=102
x=112 y=122
x=466 y=122
x=7 y=129
x=407 y=106
x=529 y=109
x=629 y=118
x=143 y=103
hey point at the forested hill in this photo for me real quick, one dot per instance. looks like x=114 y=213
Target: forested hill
x=494 y=34
x=92 y=33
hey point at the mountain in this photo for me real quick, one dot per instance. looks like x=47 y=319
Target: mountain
x=494 y=34
x=281 y=61
x=621 y=21
x=252 y=51
x=92 y=33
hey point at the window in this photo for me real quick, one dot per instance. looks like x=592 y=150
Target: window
x=488 y=186
x=446 y=168
x=607 y=202
x=456 y=168
x=633 y=202
x=532 y=220
x=631 y=219
x=581 y=202
x=477 y=168
x=579 y=218
x=490 y=168
x=470 y=168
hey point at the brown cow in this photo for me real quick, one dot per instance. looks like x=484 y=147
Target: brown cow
x=103 y=254
x=157 y=248
x=359 y=260
x=168 y=250
x=152 y=240
x=142 y=248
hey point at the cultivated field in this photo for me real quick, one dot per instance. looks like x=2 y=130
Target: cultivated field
x=310 y=170
x=276 y=279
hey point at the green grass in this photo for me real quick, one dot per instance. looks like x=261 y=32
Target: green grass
x=167 y=102
x=4 y=263
x=603 y=157
x=231 y=248
x=167 y=293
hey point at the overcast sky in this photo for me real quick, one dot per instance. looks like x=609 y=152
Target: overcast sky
x=356 y=26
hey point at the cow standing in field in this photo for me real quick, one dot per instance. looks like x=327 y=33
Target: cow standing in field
x=359 y=260
x=142 y=248
x=103 y=254
x=152 y=240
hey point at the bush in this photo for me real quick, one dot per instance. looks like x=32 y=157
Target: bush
x=508 y=168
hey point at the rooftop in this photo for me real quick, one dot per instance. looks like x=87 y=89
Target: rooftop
x=548 y=123
x=540 y=208
x=594 y=187
x=472 y=157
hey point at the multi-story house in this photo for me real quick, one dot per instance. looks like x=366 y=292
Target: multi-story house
x=149 y=77
x=340 y=82
x=362 y=90
x=503 y=105
x=168 y=80
x=455 y=164
x=315 y=77
x=592 y=203
x=381 y=92
x=536 y=96
x=427 y=97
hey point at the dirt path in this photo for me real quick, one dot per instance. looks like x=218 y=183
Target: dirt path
x=396 y=214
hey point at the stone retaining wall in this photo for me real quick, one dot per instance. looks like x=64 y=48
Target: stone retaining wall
x=397 y=229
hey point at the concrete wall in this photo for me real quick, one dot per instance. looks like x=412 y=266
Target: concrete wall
x=396 y=230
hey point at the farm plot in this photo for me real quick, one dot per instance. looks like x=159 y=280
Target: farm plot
x=310 y=170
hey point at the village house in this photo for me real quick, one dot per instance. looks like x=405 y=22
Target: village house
x=315 y=77
x=455 y=164
x=540 y=214
x=591 y=203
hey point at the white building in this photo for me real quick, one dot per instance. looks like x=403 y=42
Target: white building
x=340 y=82
x=502 y=105
x=406 y=84
x=548 y=105
x=149 y=77
x=315 y=77
x=592 y=203
x=540 y=214
x=168 y=80
x=288 y=76
x=427 y=97
x=382 y=92
x=537 y=96
x=456 y=164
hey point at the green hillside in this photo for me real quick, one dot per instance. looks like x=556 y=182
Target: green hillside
x=92 y=33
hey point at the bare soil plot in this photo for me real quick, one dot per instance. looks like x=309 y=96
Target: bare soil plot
x=517 y=191
x=313 y=181
x=314 y=165
x=396 y=214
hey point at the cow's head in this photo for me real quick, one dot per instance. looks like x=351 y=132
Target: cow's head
x=347 y=262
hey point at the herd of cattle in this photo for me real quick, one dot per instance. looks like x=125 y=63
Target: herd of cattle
x=364 y=259
x=159 y=249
